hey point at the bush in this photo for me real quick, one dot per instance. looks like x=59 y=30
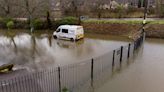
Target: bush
x=37 y=23
x=10 y=24
x=65 y=89
x=68 y=21
x=6 y=20
x=21 y=24
x=120 y=10
x=132 y=9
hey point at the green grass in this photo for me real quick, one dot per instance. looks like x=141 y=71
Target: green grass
x=123 y=21
x=156 y=22
x=113 y=21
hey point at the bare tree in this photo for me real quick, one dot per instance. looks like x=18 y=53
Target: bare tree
x=73 y=7
x=97 y=7
x=160 y=7
x=33 y=9
x=5 y=7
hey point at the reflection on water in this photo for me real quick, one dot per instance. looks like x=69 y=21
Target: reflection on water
x=37 y=52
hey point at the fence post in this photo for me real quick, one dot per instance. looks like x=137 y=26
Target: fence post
x=129 y=50
x=59 y=75
x=92 y=62
x=121 y=54
x=113 y=58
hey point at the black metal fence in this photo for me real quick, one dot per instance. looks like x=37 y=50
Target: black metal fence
x=79 y=77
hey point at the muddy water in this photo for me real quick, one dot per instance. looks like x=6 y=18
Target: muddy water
x=145 y=74
x=42 y=51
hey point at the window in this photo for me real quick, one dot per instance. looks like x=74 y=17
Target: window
x=58 y=30
x=64 y=30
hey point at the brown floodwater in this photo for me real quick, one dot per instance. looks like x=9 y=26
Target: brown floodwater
x=145 y=74
x=39 y=51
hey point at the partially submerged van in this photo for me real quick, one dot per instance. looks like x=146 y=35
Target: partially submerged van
x=72 y=32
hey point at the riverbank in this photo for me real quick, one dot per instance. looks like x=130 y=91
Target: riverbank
x=154 y=28
x=121 y=27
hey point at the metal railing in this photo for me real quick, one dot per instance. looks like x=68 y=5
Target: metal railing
x=79 y=77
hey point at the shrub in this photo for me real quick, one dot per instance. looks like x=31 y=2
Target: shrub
x=132 y=9
x=21 y=24
x=10 y=24
x=37 y=24
x=65 y=89
x=68 y=21
x=120 y=10
x=6 y=20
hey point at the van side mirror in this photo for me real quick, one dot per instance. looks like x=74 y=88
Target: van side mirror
x=58 y=30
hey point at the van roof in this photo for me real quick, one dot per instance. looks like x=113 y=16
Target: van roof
x=69 y=26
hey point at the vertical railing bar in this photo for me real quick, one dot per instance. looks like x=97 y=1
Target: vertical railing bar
x=121 y=54
x=45 y=80
x=59 y=76
x=38 y=78
x=1 y=83
x=4 y=89
x=23 y=77
x=92 y=67
x=47 y=84
x=21 y=84
x=13 y=88
x=45 y=77
x=35 y=84
x=113 y=63
x=55 y=82
x=17 y=88
x=49 y=78
x=9 y=86
x=129 y=50
x=30 y=81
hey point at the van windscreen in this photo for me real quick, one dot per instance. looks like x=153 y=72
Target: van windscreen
x=64 y=30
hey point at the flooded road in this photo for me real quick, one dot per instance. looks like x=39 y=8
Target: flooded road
x=145 y=74
x=38 y=52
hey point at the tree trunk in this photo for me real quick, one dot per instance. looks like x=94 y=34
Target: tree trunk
x=49 y=24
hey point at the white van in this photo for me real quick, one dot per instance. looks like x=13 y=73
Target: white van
x=71 y=32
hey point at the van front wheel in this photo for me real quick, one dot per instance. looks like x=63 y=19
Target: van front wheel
x=72 y=39
x=55 y=36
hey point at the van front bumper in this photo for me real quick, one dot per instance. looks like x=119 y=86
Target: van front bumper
x=80 y=36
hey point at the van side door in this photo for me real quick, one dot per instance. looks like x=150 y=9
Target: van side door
x=64 y=33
